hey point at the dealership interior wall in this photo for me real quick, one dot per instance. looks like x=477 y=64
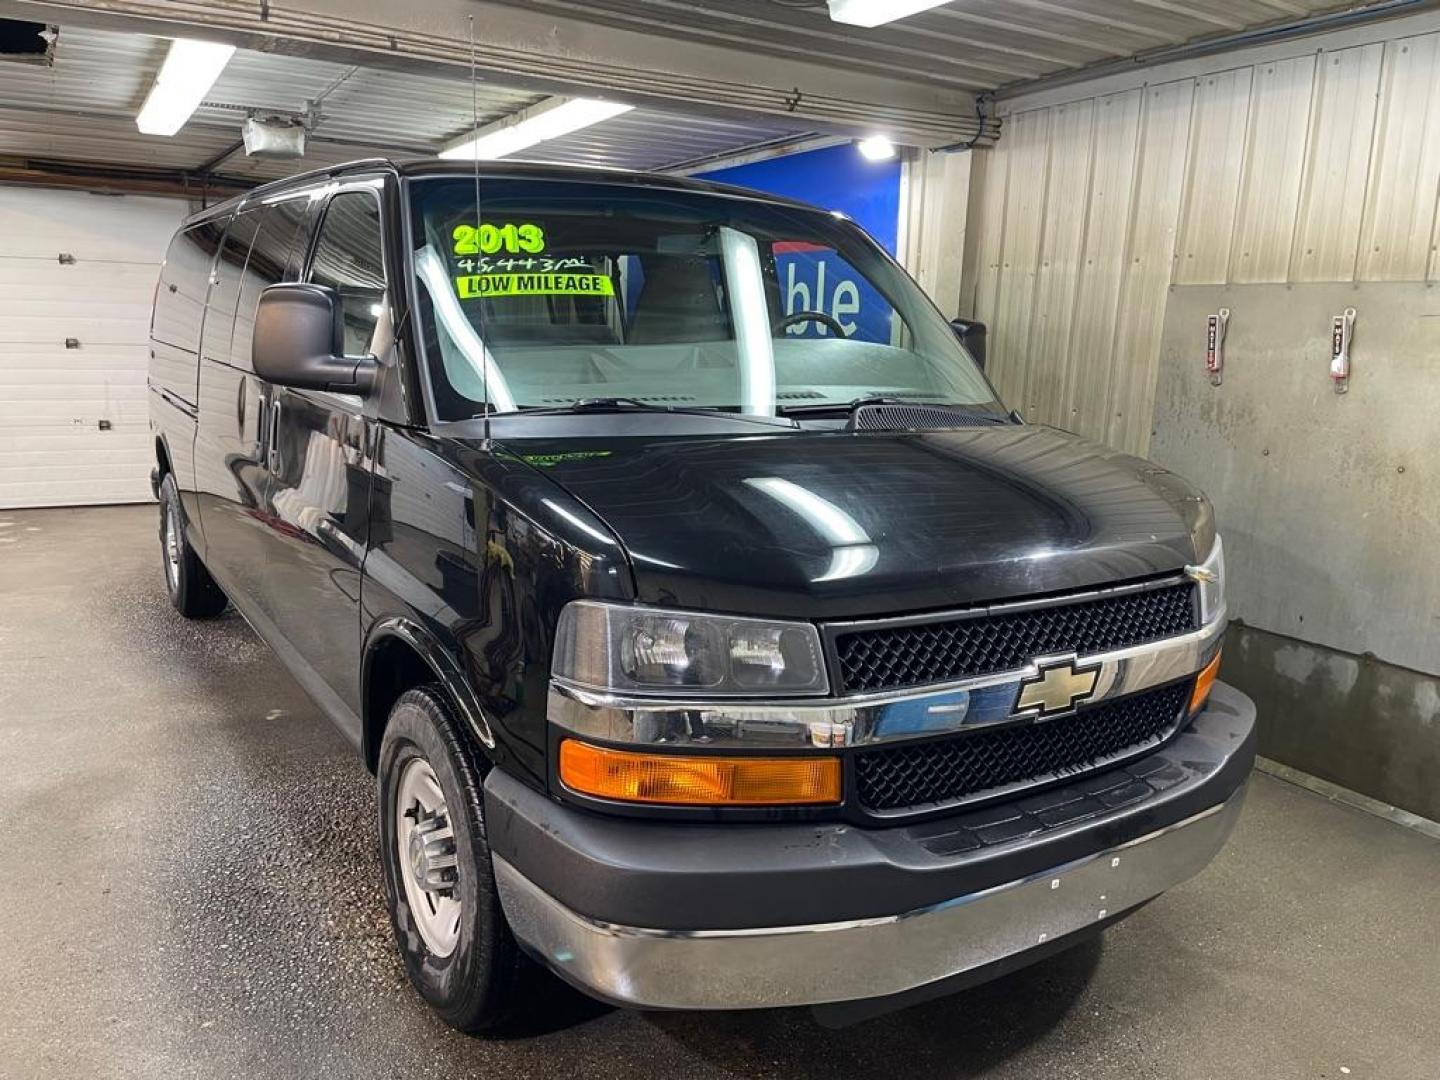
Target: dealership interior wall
x=1093 y=217
x=189 y=883
x=1285 y=183
x=78 y=271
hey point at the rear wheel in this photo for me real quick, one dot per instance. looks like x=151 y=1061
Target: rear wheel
x=457 y=948
x=192 y=590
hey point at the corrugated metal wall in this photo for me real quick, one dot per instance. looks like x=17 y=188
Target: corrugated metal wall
x=1321 y=167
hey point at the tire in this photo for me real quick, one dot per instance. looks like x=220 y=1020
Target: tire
x=192 y=590
x=476 y=979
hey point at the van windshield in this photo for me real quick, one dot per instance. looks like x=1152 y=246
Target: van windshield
x=558 y=293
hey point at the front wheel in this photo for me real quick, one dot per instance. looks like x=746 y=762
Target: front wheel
x=439 y=883
x=191 y=588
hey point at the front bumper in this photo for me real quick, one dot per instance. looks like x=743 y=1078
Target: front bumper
x=690 y=916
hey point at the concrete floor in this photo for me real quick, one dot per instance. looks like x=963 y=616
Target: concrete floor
x=189 y=888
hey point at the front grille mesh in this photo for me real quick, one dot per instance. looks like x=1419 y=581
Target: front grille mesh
x=945 y=770
x=886 y=658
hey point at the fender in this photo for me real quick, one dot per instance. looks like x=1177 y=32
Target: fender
x=162 y=449
x=440 y=661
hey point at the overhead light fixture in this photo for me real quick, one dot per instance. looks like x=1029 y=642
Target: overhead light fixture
x=190 y=70
x=875 y=12
x=548 y=120
x=876 y=148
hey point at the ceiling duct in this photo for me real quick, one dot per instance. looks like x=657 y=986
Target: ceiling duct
x=27 y=42
x=273 y=138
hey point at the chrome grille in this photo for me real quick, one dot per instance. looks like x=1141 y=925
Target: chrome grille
x=893 y=656
x=924 y=775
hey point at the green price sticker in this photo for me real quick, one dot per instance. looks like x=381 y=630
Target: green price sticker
x=545 y=461
x=472 y=286
x=523 y=238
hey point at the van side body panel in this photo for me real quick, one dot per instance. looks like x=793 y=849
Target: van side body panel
x=314 y=528
x=482 y=551
x=175 y=329
x=233 y=443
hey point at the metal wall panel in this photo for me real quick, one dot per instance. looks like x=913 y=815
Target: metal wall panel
x=1089 y=360
x=1071 y=145
x=934 y=196
x=980 y=280
x=1321 y=166
x=1164 y=130
x=1217 y=145
x=1337 y=165
x=1286 y=183
x=1274 y=163
x=1020 y=250
x=1395 y=237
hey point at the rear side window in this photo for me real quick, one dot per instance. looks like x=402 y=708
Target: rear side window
x=184 y=283
x=269 y=264
x=348 y=258
x=225 y=287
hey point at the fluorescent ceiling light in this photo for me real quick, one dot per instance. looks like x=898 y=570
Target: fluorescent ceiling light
x=875 y=12
x=548 y=120
x=876 y=148
x=190 y=70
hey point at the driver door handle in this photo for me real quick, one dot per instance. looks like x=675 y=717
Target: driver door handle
x=273 y=454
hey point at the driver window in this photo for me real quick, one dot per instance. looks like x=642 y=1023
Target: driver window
x=818 y=280
x=348 y=258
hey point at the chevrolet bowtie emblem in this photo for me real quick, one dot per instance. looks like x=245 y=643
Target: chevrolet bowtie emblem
x=1057 y=687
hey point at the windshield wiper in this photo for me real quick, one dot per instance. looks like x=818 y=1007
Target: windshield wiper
x=605 y=404
x=849 y=406
x=630 y=404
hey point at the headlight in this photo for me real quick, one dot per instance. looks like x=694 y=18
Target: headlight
x=614 y=647
x=1211 y=576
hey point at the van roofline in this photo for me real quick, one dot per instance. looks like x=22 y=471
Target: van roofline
x=275 y=187
x=491 y=170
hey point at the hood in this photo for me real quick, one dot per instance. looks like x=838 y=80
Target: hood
x=836 y=525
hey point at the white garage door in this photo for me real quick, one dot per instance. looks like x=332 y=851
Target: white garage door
x=77 y=276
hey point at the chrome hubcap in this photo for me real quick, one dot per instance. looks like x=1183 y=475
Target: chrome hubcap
x=172 y=549
x=425 y=850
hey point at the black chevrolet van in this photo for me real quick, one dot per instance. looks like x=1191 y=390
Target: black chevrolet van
x=717 y=638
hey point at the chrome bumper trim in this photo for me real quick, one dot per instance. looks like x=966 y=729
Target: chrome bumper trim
x=1005 y=606
x=868 y=718
x=865 y=958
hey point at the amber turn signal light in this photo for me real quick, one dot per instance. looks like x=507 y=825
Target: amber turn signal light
x=698 y=780
x=1203 y=683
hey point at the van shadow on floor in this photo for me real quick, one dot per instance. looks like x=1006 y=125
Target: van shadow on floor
x=969 y=1031
x=973 y=1028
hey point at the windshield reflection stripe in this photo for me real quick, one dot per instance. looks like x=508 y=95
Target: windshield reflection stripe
x=745 y=282
x=431 y=271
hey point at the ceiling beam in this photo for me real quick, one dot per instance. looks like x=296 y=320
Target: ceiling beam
x=127 y=180
x=210 y=164
x=534 y=51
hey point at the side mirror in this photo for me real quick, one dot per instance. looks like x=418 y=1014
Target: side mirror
x=299 y=341
x=972 y=336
